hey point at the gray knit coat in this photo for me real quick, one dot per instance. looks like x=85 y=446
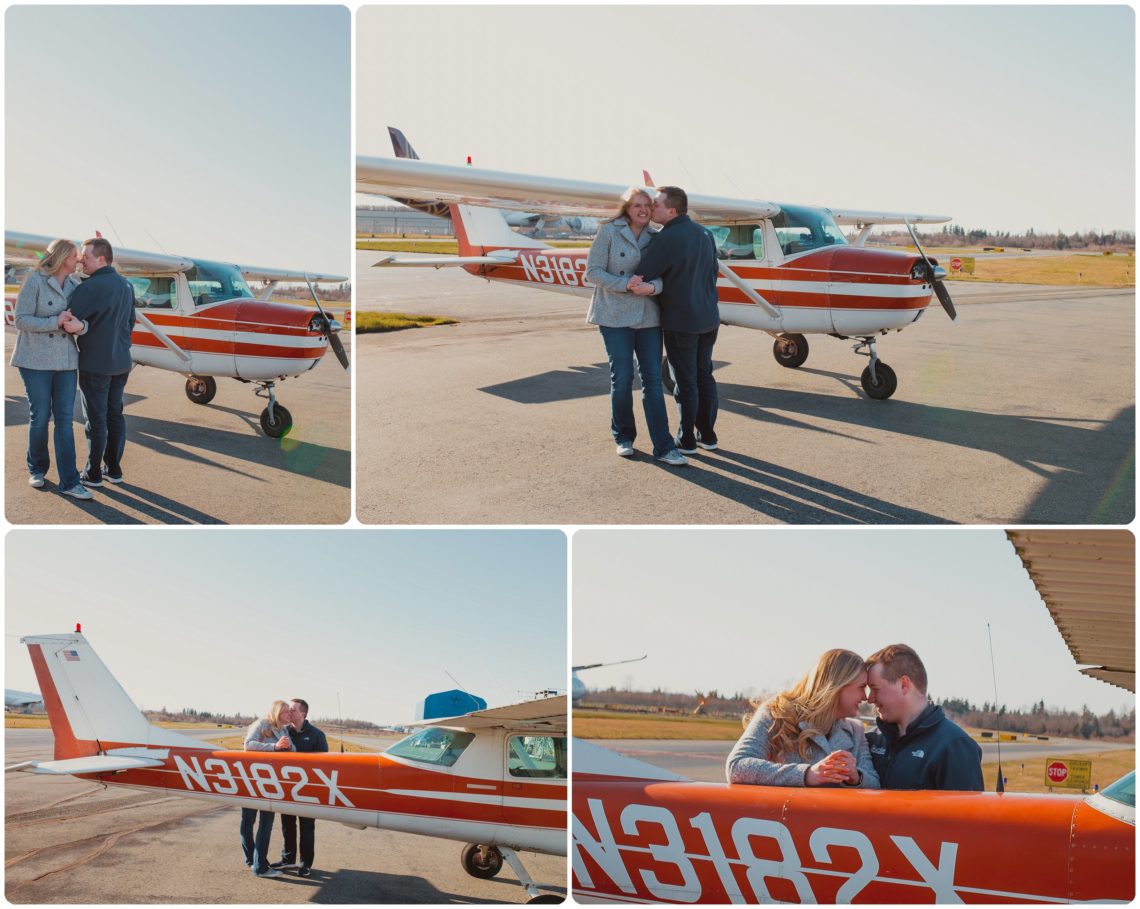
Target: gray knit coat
x=613 y=260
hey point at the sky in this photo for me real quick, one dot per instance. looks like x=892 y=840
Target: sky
x=1004 y=118
x=232 y=620
x=216 y=132
x=751 y=611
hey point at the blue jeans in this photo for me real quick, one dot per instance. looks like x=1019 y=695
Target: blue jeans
x=106 y=427
x=51 y=395
x=256 y=849
x=621 y=346
x=691 y=357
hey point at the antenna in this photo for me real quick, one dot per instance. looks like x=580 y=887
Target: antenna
x=116 y=233
x=993 y=669
x=156 y=243
x=340 y=719
x=462 y=687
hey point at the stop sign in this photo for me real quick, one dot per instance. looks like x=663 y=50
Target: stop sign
x=1057 y=771
x=956 y=264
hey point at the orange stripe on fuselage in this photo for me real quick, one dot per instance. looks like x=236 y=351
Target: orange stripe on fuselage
x=229 y=348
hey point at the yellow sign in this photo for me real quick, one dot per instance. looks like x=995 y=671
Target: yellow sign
x=962 y=265
x=1068 y=774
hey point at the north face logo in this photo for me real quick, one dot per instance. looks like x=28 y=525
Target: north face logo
x=918 y=754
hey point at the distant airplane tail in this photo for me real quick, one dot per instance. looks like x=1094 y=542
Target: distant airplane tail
x=481 y=231
x=90 y=713
x=402 y=148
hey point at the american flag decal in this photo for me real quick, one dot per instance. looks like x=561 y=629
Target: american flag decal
x=71 y=655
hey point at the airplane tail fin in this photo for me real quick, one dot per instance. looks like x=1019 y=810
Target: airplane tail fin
x=400 y=144
x=483 y=230
x=402 y=148
x=88 y=709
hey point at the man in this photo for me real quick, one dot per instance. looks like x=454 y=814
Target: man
x=105 y=304
x=683 y=259
x=306 y=737
x=916 y=746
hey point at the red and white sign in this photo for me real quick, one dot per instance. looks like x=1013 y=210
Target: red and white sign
x=1057 y=771
x=955 y=264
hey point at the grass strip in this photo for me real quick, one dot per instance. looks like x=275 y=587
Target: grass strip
x=367 y=322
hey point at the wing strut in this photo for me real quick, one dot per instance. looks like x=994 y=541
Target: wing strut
x=749 y=291
x=161 y=335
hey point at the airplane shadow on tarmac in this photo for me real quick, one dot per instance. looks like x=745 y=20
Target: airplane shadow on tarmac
x=1090 y=463
x=349 y=886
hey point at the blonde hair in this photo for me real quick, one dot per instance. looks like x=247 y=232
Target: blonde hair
x=627 y=200
x=54 y=256
x=274 y=715
x=813 y=701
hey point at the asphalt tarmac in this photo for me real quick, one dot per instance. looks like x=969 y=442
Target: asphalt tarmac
x=191 y=464
x=705 y=761
x=73 y=841
x=1021 y=412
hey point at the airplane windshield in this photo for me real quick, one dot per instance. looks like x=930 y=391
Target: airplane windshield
x=800 y=229
x=211 y=282
x=433 y=746
x=1122 y=791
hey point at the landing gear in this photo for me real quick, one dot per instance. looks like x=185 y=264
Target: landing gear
x=790 y=350
x=879 y=380
x=201 y=389
x=276 y=421
x=486 y=861
x=481 y=861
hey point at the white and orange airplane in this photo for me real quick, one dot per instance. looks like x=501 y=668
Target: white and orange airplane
x=201 y=319
x=493 y=779
x=787 y=270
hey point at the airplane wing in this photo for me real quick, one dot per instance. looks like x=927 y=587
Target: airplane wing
x=423 y=181
x=95 y=763
x=547 y=714
x=864 y=218
x=27 y=249
x=1087 y=580
x=505 y=258
x=252 y=273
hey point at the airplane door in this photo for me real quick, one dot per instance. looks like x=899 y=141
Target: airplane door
x=536 y=771
x=158 y=300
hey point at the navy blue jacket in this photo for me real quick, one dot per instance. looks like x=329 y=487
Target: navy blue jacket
x=683 y=256
x=935 y=753
x=308 y=738
x=106 y=302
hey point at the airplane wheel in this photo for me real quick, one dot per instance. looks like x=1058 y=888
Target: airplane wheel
x=281 y=424
x=886 y=385
x=201 y=389
x=479 y=864
x=668 y=380
x=790 y=350
x=548 y=898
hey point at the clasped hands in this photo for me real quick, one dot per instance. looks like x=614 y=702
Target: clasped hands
x=837 y=767
x=69 y=323
x=639 y=286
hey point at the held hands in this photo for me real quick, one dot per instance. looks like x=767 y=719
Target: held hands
x=283 y=744
x=69 y=323
x=837 y=767
x=638 y=286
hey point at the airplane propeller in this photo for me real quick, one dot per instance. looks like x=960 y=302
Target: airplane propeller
x=936 y=275
x=333 y=338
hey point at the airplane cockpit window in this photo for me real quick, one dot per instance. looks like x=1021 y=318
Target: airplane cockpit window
x=739 y=241
x=800 y=229
x=540 y=757
x=1122 y=791
x=212 y=282
x=433 y=746
x=153 y=293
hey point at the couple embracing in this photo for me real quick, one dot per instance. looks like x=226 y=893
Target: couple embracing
x=648 y=285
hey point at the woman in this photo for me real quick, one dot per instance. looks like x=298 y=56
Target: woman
x=627 y=316
x=48 y=361
x=266 y=734
x=808 y=735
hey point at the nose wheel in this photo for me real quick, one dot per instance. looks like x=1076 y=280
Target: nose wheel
x=878 y=379
x=276 y=421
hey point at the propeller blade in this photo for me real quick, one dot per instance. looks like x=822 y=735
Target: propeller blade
x=944 y=299
x=338 y=348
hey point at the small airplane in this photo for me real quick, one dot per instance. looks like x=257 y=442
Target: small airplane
x=201 y=319
x=493 y=779
x=787 y=270
x=21 y=699
x=578 y=687
x=535 y=222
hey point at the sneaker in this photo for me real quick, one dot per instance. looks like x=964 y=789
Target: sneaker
x=87 y=481
x=282 y=865
x=36 y=480
x=707 y=444
x=304 y=871
x=624 y=450
x=268 y=872
x=110 y=478
x=691 y=448
x=77 y=492
x=673 y=458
